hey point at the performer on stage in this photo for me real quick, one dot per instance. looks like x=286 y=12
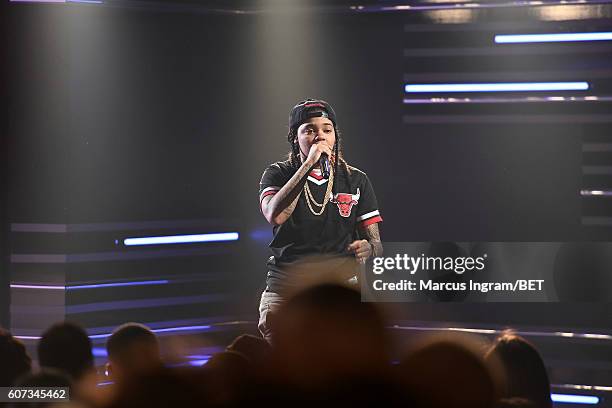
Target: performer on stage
x=334 y=217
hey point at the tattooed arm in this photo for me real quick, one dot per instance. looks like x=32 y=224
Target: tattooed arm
x=371 y=246
x=278 y=208
x=270 y=207
x=373 y=236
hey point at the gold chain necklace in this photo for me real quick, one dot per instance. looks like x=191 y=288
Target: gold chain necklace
x=309 y=197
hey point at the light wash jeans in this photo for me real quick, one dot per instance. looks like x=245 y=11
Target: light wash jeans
x=269 y=303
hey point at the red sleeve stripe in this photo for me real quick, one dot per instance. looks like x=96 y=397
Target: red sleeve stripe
x=368 y=215
x=371 y=221
x=268 y=191
x=263 y=195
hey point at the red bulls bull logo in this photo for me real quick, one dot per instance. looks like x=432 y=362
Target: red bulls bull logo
x=345 y=202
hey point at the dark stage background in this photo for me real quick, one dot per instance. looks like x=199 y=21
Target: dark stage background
x=131 y=121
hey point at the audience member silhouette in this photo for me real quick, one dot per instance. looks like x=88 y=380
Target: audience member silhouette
x=525 y=373
x=14 y=359
x=254 y=348
x=66 y=347
x=133 y=350
x=449 y=372
x=330 y=345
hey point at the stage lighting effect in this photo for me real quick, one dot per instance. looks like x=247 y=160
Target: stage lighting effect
x=182 y=329
x=575 y=399
x=164 y=330
x=498 y=87
x=198 y=363
x=90 y=286
x=545 y=38
x=173 y=329
x=58 y=1
x=118 y=284
x=596 y=193
x=515 y=99
x=524 y=333
x=45 y=287
x=583 y=387
x=182 y=239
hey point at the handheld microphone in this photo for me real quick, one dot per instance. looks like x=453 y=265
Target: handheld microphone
x=324 y=164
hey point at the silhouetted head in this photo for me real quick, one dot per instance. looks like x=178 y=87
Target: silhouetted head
x=326 y=334
x=14 y=359
x=230 y=376
x=448 y=371
x=254 y=348
x=66 y=347
x=525 y=372
x=132 y=350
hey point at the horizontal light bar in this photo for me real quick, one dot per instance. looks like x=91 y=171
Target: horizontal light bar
x=575 y=399
x=92 y=286
x=58 y=1
x=199 y=356
x=118 y=284
x=182 y=239
x=510 y=99
x=47 y=287
x=559 y=37
x=181 y=329
x=583 y=387
x=165 y=330
x=596 y=193
x=105 y=383
x=198 y=363
x=498 y=87
x=524 y=333
x=37 y=1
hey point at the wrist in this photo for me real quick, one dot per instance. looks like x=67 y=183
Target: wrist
x=309 y=163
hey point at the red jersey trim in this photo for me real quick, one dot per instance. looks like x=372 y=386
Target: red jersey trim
x=371 y=221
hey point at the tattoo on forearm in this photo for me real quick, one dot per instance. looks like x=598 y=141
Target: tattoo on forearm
x=286 y=199
x=289 y=210
x=373 y=236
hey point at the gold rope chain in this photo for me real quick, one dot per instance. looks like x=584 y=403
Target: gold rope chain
x=309 y=197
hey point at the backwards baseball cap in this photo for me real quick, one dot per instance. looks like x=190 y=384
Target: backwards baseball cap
x=310 y=108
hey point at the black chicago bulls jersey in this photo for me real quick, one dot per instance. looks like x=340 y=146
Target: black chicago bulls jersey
x=329 y=234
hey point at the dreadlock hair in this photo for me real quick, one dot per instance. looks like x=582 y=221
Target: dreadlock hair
x=295 y=158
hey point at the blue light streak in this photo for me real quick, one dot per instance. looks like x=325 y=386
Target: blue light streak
x=88 y=286
x=118 y=284
x=498 y=87
x=164 y=330
x=558 y=37
x=575 y=399
x=180 y=329
x=197 y=363
x=182 y=239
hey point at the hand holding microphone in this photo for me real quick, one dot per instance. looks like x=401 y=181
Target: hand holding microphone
x=324 y=165
x=320 y=153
